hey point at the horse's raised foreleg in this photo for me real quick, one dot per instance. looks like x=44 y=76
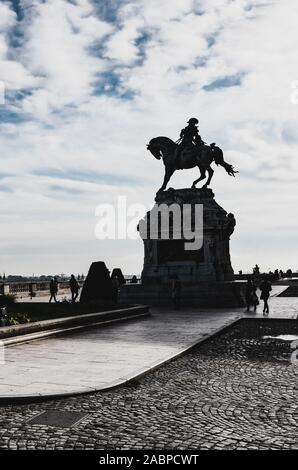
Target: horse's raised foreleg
x=203 y=175
x=168 y=174
x=210 y=173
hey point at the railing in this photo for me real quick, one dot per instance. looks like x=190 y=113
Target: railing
x=42 y=286
x=129 y=278
x=20 y=289
x=17 y=288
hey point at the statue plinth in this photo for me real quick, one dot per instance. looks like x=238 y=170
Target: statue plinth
x=167 y=257
x=206 y=274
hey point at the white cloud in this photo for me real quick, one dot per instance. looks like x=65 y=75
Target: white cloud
x=12 y=73
x=58 y=38
x=7 y=17
x=186 y=46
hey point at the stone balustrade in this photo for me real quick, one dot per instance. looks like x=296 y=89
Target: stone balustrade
x=32 y=289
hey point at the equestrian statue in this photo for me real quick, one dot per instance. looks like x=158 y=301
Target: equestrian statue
x=188 y=152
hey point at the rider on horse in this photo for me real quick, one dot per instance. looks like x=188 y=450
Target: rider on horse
x=192 y=152
x=189 y=137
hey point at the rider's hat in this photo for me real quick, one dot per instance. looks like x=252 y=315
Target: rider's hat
x=193 y=121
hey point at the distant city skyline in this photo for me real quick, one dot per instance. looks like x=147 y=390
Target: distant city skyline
x=88 y=83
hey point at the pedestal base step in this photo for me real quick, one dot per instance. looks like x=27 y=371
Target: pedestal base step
x=216 y=295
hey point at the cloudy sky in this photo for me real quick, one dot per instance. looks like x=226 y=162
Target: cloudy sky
x=88 y=83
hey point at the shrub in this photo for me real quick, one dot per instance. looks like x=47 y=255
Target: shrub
x=17 y=318
x=7 y=300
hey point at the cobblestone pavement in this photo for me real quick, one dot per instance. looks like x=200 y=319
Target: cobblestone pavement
x=235 y=391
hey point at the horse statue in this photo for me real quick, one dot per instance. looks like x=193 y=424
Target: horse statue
x=189 y=157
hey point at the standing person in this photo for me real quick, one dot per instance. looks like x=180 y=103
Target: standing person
x=53 y=290
x=116 y=285
x=56 y=284
x=74 y=288
x=256 y=270
x=250 y=295
x=265 y=288
x=176 y=292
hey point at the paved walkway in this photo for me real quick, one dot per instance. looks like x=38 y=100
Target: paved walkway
x=44 y=298
x=102 y=357
x=236 y=391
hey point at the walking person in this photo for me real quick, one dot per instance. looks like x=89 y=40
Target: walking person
x=265 y=289
x=53 y=290
x=250 y=295
x=74 y=288
x=176 y=292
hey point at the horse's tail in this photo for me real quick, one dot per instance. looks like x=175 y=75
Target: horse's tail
x=219 y=160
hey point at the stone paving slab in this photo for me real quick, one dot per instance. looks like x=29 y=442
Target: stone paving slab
x=13 y=334
x=276 y=290
x=100 y=358
x=103 y=357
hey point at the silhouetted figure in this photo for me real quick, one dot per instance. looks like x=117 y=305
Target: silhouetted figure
x=53 y=290
x=134 y=280
x=256 y=270
x=190 y=134
x=289 y=273
x=250 y=295
x=176 y=292
x=198 y=154
x=265 y=288
x=189 y=137
x=74 y=288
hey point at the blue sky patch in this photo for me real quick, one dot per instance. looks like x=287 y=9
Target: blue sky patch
x=5 y=189
x=225 y=82
x=108 y=9
x=89 y=176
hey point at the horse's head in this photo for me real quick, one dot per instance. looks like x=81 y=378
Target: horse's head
x=154 y=148
x=160 y=145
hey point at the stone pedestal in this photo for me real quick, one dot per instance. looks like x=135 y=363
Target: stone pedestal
x=164 y=258
x=206 y=274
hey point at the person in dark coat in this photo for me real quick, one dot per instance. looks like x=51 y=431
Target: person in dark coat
x=189 y=137
x=74 y=288
x=250 y=295
x=190 y=134
x=53 y=290
x=265 y=288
